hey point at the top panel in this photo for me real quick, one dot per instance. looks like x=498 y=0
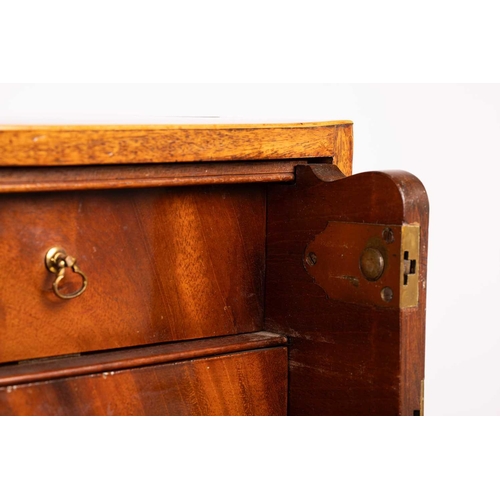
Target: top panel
x=136 y=144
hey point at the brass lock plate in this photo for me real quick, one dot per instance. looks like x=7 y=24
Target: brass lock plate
x=371 y=264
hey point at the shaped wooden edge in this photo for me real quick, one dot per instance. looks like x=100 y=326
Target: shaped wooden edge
x=116 y=145
x=122 y=359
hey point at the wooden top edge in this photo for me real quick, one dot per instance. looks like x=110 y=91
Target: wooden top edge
x=51 y=145
x=211 y=126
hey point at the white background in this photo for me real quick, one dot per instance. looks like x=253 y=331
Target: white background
x=447 y=135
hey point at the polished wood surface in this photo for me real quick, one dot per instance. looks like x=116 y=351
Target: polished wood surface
x=99 y=145
x=246 y=383
x=344 y=358
x=162 y=265
x=120 y=359
x=34 y=179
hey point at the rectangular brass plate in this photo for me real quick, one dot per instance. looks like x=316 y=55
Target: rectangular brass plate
x=410 y=247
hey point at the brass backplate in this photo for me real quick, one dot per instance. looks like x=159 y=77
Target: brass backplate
x=335 y=260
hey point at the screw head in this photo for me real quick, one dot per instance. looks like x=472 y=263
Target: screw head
x=387 y=294
x=372 y=264
x=312 y=259
x=388 y=235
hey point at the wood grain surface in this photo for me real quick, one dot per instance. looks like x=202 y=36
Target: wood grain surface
x=162 y=265
x=34 y=179
x=98 y=145
x=247 y=383
x=120 y=359
x=344 y=358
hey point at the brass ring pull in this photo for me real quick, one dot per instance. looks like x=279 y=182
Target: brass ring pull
x=56 y=261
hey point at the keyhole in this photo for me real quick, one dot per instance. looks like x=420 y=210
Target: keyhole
x=410 y=267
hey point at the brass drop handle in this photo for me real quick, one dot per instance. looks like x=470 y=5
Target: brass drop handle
x=56 y=261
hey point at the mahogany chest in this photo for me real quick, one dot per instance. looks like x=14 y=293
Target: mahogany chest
x=207 y=270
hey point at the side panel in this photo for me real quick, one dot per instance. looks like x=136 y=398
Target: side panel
x=347 y=355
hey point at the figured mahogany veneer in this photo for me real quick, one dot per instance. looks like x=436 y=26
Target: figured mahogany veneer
x=234 y=375
x=162 y=265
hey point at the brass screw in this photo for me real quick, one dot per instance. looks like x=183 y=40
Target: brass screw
x=312 y=259
x=388 y=235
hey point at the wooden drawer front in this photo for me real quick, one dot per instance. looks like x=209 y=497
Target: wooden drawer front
x=245 y=383
x=162 y=265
